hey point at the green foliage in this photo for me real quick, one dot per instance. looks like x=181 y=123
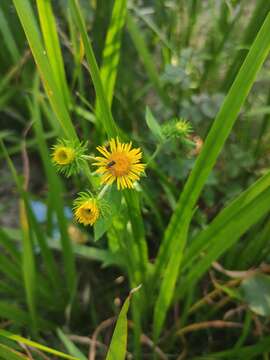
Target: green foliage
x=173 y=78
x=118 y=346
x=256 y=290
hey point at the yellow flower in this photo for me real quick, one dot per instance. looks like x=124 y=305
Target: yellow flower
x=87 y=211
x=120 y=163
x=68 y=156
x=63 y=155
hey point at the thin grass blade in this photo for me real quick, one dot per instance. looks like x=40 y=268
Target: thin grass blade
x=106 y=118
x=35 y=345
x=52 y=44
x=27 y=18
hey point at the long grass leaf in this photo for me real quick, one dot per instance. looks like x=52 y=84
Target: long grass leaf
x=245 y=352
x=70 y=346
x=257 y=18
x=12 y=312
x=9 y=38
x=106 y=116
x=111 y=52
x=146 y=57
x=175 y=236
x=27 y=18
x=28 y=257
x=11 y=354
x=7 y=243
x=52 y=45
x=118 y=346
x=35 y=345
x=203 y=239
x=227 y=235
x=56 y=190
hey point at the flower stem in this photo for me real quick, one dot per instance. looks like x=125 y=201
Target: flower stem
x=103 y=191
x=158 y=148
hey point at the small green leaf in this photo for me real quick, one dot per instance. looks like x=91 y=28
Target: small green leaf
x=153 y=125
x=256 y=292
x=113 y=198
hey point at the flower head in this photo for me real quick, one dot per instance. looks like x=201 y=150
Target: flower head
x=86 y=209
x=68 y=156
x=119 y=163
x=63 y=155
x=176 y=128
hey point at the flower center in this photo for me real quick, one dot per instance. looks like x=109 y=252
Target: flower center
x=118 y=164
x=87 y=213
x=64 y=156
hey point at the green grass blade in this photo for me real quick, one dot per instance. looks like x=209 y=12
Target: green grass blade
x=11 y=271
x=175 y=236
x=29 y=265
x=10 y=354
x=27 y=18
x=53 y=49
x=71 y=348
x=257 y=250
x=133 y=207
x=6 y=242
x=8 y=38
x=118 y=346
x=28 y=256
x=35 y=345
x=46 y=252
x=245 y=352
x=231 y=231
x=11 y=312
x=56 y=190
x=49 y=263
x=257 y=18
x=203 y=239
x=106 y=118
x=146 y=57
x=111 y=52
